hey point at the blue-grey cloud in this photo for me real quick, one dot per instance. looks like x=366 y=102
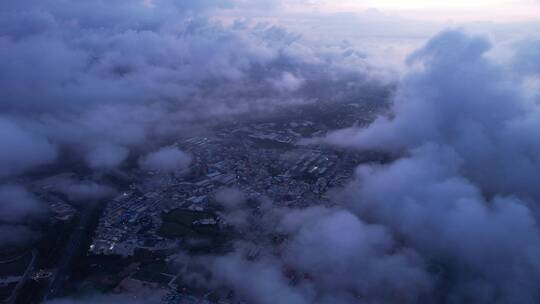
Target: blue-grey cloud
x=166 y=159
x=463 y=191
x=101 y=78
x=18 y=208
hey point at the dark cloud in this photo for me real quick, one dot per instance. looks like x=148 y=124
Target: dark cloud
x=18 y=207
x=17 y=204
x=106 y=156
x=22 y=149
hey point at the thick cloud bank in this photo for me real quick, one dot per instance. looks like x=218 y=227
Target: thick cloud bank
x=99 y=80
x=461 y=99
x=464 y=194
x=317 y=255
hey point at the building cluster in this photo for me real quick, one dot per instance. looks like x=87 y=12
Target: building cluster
x=313 y=164
x=290 y=176
x=131 y=221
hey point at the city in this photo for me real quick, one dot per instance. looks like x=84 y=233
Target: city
x=142 y=228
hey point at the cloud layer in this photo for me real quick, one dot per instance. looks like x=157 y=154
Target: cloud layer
x=463 y=193
x=100 y=80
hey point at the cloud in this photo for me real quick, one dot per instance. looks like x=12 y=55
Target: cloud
x=288 y=82
x=343 y=257
x=112 y=78
x=166 y=159
x=106 y=156
x=260 y=282
x=231 y=198
x=17 y=204
x=83 y=190
x=22 y=149
x=236 y=211
x=525 y=60
x=445 y=218
x=330 y=256
x=18 y=207
x=462 y=192
x=460 y=98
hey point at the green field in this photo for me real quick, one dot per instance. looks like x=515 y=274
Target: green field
x=178 y=224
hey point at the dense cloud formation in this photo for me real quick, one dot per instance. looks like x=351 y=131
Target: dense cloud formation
x=98 y=79
x=17 y=208
x=464 y=195
x=167 y=159
x=459 y=98
x=448 y=220
x=329 y=256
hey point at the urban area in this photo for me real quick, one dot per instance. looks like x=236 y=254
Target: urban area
x=131 y=242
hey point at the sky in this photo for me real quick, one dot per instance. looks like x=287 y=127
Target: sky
x=388 y=30
x=458 y=11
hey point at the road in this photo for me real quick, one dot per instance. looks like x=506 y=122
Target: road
x=29 y=270
x=60 y=275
